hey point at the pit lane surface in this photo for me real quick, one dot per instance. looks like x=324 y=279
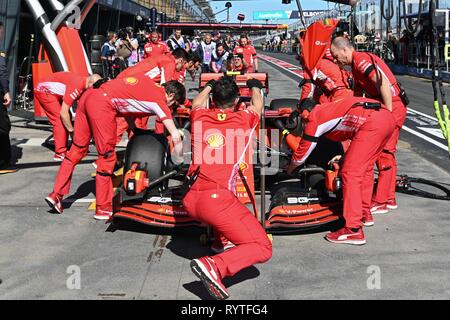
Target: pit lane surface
x=40 y=252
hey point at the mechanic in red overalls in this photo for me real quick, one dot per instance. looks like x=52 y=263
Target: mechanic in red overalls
x=217 y=153
x=161 y=69
x=155 y=47
x=56 y=93
x=369 y=125
x=327 y=82
x=248 y=52
x=374 y=78
x=96 y=117
x=191 y=66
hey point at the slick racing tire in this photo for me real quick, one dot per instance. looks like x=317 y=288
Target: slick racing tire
x=149 y=150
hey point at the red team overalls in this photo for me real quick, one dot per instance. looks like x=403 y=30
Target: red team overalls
x=161 y=69
x=249 y=54
x=212 y=198
x=155 y=49
x=364 y=66
x=329 y=78
x=368 y=129
x=51 y=92
x=96 y=117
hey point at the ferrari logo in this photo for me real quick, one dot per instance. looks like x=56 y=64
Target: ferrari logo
x=221 y=116
x=131 y=81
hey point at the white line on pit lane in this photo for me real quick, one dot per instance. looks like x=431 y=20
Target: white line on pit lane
x=414 y=132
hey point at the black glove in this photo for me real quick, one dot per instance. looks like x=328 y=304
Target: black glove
x=292 y=121
x=99 y=83
x=210 y=83
x=254 y=83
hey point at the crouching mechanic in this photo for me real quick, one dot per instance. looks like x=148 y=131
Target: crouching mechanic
x=56 y=93
x=369 y=125
x=96 y=116
x=217 y=150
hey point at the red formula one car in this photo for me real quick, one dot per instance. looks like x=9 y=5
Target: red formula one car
x=310 y=200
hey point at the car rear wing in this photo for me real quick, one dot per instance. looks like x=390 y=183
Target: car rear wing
x=241 y=79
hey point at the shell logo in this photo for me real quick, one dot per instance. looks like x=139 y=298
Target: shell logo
x=243 y=166
x=131 y=80
x=215 y=141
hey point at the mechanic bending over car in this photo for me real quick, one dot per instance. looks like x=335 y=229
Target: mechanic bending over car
x=96 y=116
x=374 y=78
x=212 y=198
x=161 y=69
x=327 y=82
x=56 y=93
x=369 y=125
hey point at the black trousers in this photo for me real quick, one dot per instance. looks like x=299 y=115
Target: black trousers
x=5 y=128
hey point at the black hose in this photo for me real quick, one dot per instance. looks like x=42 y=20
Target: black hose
x=390 y=10
x=412 y=30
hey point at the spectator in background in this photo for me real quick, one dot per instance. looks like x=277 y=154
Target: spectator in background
x=219 y=59
x=155 y=47
x=134 y=57
x=178 y=41
x=109 y=53
x=195 y=43
x=205 y=51
x=5 y=101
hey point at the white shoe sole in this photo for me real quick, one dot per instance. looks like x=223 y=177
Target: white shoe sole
x=378 y=211
x=102 y=217
x=391 y=207
x=354 y=242
x=200 y=271
x=52 y=204
x=368 y=224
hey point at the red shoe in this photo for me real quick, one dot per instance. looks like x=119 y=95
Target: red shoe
x=101 y=214
x=54 y=201
x=378 y=208
x=392 y=204
x=367 y=220
x=221 y=244
x=346 y=235
x=206 y=270
x=59 y=156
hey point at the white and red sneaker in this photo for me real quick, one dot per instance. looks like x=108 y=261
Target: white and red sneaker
x=347 y=236
x=221 y=244
x=378 y=208
x=392 y=204
x=59 y=156
x=367 y=220
x=101 y=214
x=206 y=270
x=54 y=201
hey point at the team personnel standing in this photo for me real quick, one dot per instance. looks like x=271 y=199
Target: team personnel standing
x=212 y=198
x=248 y=52
x=96 y=117
x=327 y=82
x=369 y=124
x=5 y=101
x=374 y=78
x=155 y=47
x=56 y=93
